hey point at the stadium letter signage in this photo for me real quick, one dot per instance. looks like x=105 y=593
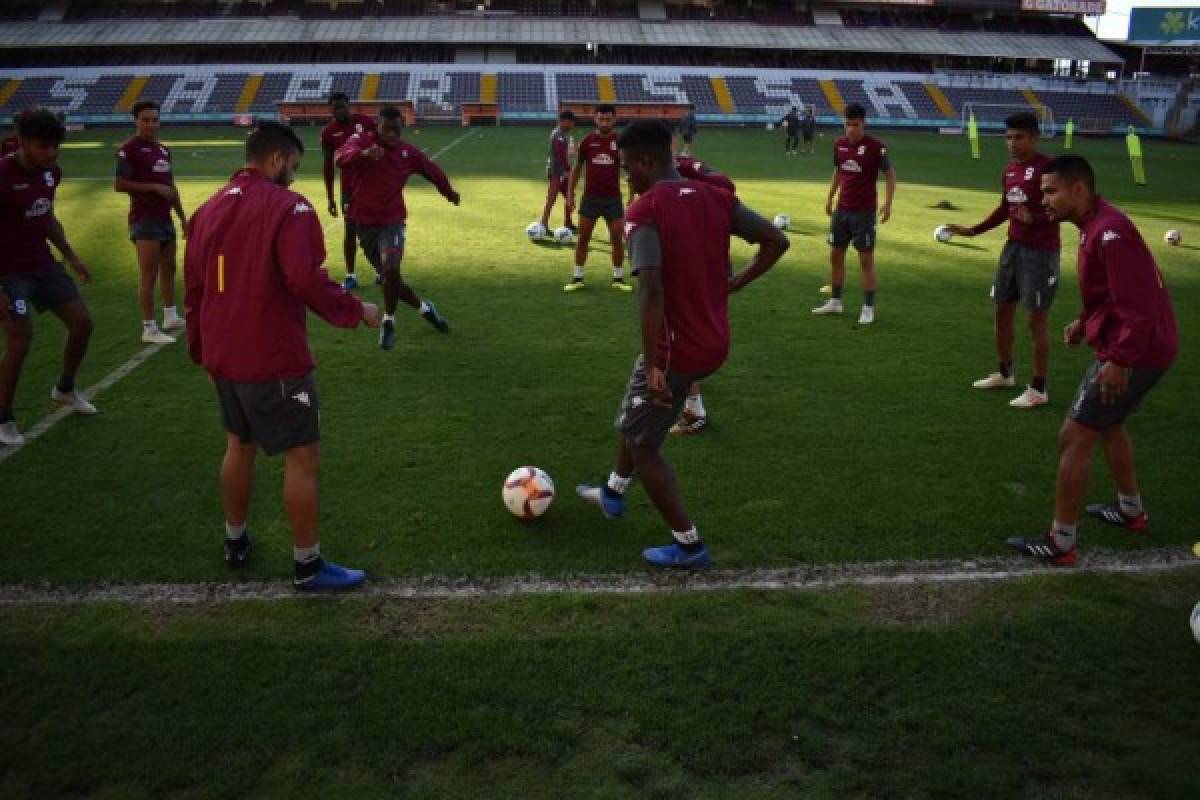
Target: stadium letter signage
x=1165 y=25
x=1064 y=6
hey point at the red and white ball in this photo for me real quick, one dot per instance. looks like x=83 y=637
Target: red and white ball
x=527 y=492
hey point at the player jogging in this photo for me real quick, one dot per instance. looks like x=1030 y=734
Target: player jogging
x=558 y=169
x=378 y=164
x=1029 y=264
x=335 y=134
x=252 y=271
x=857 y=161
x=791 y=127
x=30 y=278
x=1128 y=321
x=678 y=234
x=144 y=173
x=597 y=161
x=808 y=129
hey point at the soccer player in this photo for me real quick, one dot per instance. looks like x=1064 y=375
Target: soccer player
x=791 y=127
x=808 y=129
x=378 y=164
x=597 y=161
x=857 y=161
x=687 y=130
x=1029 y=264
x=29 y=275
x=144 y=173
x=1128 y=321
x=252 y=269
x=558 y=169
x=679 y=234
x=334 y=135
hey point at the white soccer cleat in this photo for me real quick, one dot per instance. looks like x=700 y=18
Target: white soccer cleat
x=173 y=324
x=867 y=316
x=832 y=306
x=1030 y=398
x=73 y=400
x=9 y=434
x=994 y=381
x=156 y=336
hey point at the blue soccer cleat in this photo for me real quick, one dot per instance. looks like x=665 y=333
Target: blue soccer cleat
x=387 y=334
x=672 y=556
x=328 y=577
x=611 y=504
x=350 y=282
x=433 y=318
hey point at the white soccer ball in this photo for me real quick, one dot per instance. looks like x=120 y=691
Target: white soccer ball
x=942 y=233
x=527 y=492
x=782 y=221
x=563 y=235
x=1196 y=622
x=1173 y=237
x=535 y=231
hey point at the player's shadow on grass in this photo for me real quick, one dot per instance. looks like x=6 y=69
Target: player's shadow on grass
x=965 y=245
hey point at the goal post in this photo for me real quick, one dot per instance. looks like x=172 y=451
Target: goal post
x=990 y=117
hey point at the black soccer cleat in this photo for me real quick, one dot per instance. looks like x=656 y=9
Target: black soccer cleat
x=431 y=316
x=1113 y=515
x=237 y=551
x=1044 y=549
x=387 y=334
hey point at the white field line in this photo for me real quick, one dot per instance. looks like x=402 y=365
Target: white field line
x=48 y=422
x=807 y=578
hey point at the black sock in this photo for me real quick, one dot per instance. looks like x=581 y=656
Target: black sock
x=1006 y=369
x=305 y=569
x=5 y=415
x=837 y=291
x=65 y=385
x=1039 y=383
x=869 y=297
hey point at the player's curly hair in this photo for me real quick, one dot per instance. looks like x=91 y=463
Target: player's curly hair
x=646 y=137
x=40 y=124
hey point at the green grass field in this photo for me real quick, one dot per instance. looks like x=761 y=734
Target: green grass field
x=829 y=444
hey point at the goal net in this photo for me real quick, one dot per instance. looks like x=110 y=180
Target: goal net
x=990 y=117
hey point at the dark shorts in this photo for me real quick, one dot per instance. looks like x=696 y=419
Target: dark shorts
x=46 y=289
x=376 y=240
x=275 y=415
x=853 y=226
x=610 y=208
x=1088 y=409
x=642 y=421
x=1026 y=274
x=156 y=230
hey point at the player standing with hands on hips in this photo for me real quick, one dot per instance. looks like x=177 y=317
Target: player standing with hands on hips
x=252 y=272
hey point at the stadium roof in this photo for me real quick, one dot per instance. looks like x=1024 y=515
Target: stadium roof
x=127 y=32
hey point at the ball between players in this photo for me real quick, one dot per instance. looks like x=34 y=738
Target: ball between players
x=942 y=233
x=527 y=492
x=1173 y=237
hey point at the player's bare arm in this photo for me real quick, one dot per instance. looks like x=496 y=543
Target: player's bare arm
x=327 y=173
x=885 y=212
x=772 y=244
x=651 y=306
x=833 y=190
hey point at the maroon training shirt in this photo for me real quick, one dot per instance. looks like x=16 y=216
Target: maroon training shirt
x=1023 y=189
x=26 y=207
x=146 y=162
x=378 y=186
x=694 y=222
x=602 y=166
x=334 y=135
x=252 y=265
x=697 y=170
x=1127 y=314
x=858 y=167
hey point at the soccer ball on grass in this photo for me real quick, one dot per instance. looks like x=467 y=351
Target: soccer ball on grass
x=1173 y=237
x=527 y=492
x=942 y=233
x=782 y=221
x=535 y=231
x=563 y=235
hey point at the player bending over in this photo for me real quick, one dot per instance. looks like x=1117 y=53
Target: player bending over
x=378 y=164
x=678 y=233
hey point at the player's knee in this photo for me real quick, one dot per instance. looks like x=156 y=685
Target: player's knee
x=18 y=337
x=304 y=459
x=81 y=327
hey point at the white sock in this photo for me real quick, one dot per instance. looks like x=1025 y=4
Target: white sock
x=234 y=531
x=617 y=483
x=690 y=536
x=618 y=273
x=695 y=404
x=169 y=312
x=149 y=325
x=1063 y=535
x=424 y=308
x=1130 y=504
x=389 y=317
x=305 y=554
x=579 y=273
